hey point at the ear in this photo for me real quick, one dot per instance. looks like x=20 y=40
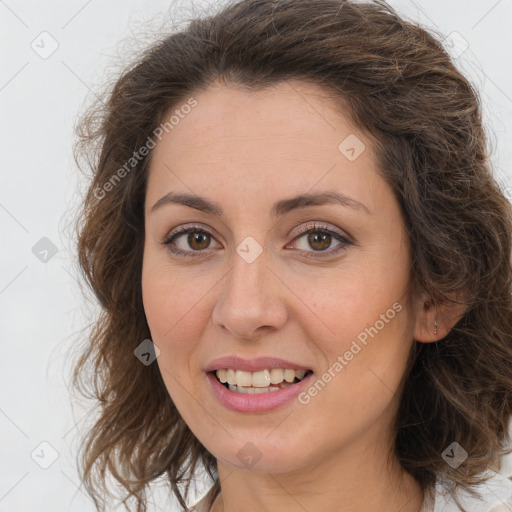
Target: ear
x=434 y=322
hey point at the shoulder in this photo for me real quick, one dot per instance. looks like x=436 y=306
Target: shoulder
x=495 y=496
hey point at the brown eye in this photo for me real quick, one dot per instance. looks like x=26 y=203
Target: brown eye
x=193 y=244
x=320 y=238
x=200 y=238
x=319 y=241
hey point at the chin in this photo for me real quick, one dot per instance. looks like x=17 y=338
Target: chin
x=261 y=455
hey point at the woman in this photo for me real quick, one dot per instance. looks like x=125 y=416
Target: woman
x=303 y=263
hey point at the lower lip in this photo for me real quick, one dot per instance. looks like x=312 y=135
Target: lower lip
x=256 y=403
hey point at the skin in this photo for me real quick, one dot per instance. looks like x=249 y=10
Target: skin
x=246 y=151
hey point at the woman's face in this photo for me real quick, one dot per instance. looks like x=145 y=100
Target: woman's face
x=253 y=285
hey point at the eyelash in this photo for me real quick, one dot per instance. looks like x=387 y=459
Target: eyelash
x=315 y=228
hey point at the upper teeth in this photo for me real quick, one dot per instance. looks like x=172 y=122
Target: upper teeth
x=261 y=379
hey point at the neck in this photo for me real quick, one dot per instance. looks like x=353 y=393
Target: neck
x=349 y=480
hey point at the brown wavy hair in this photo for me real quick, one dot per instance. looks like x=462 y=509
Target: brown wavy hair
x=403 y=90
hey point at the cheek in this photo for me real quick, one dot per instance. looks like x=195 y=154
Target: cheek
x=171 y=309
x=363 y=327
x=169 y=297
x=174 y=305
x=343 y=303
x=160 y=306
x=370 y=344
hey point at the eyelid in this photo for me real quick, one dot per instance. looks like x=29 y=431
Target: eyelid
x=319 y=226
x=184 y=228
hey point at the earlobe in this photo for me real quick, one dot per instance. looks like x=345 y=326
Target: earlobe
x=434 y=322
x=427 y=329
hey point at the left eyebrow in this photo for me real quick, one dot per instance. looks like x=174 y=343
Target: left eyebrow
x=279 y=208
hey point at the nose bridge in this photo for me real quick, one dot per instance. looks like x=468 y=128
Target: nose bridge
x=247 y=283
x=249 y=298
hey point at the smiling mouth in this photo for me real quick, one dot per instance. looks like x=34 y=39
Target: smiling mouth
x=264 y=381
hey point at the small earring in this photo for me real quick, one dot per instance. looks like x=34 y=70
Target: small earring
x=435 y=326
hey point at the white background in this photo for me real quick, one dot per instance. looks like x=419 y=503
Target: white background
x=41 y=305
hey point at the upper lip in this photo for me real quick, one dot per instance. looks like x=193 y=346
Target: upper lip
x=253 y=365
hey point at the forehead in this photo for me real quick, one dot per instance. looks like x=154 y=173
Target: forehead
x=284 y=137
x=236 y=116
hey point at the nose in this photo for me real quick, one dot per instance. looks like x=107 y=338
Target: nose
x=251 y=302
